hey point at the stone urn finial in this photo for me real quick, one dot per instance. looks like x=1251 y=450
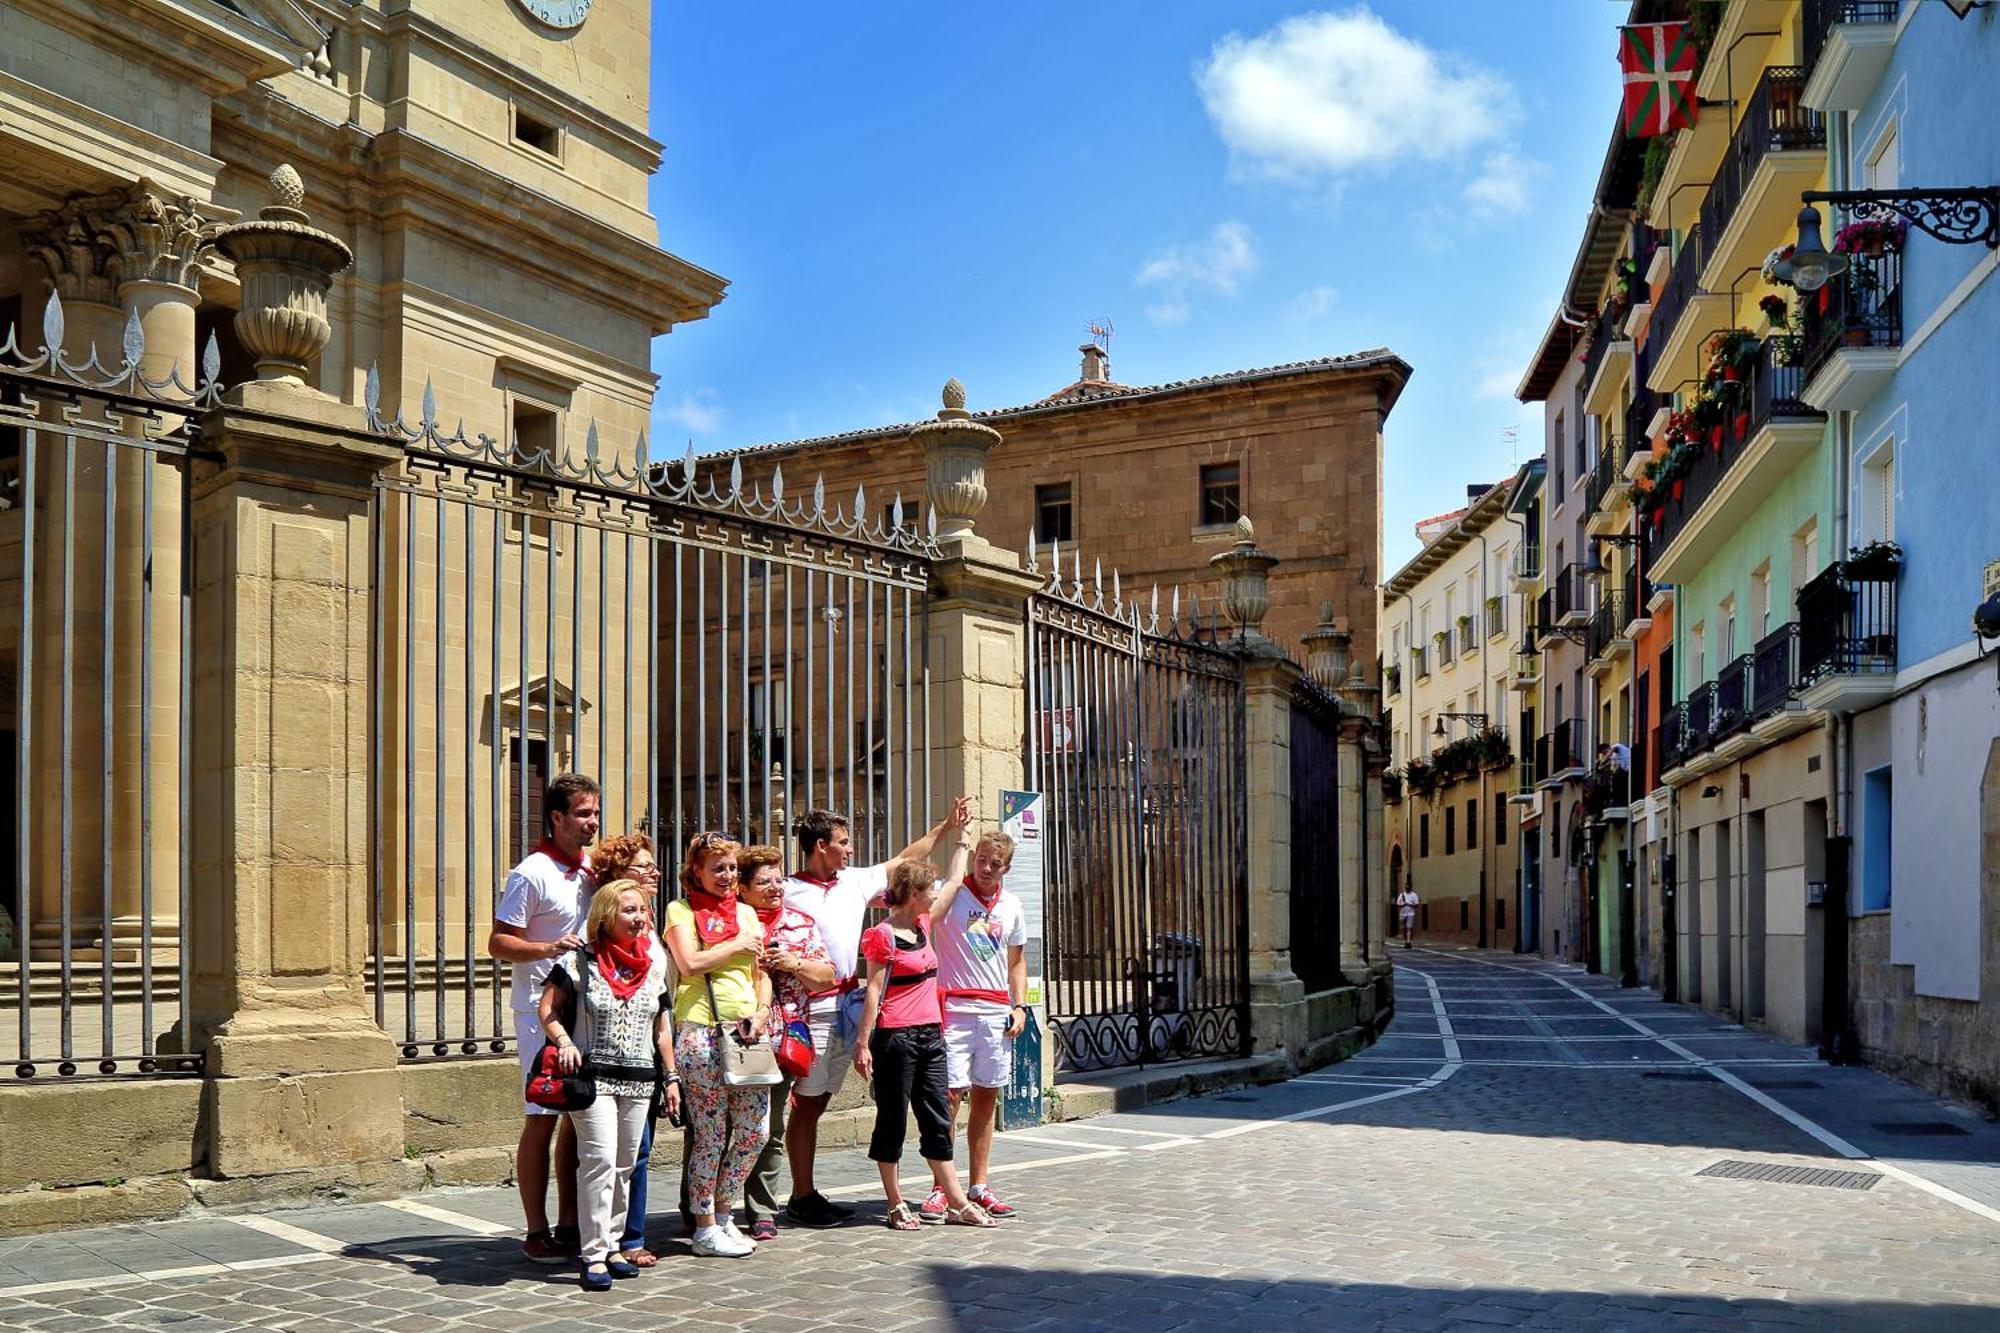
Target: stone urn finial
x=1328 y=646
x=955 y=448
x=286 y=266
x=1244 y=567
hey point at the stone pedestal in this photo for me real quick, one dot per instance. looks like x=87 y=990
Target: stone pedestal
x=299 y=1075
x=1353 y=853
x=1277 y=996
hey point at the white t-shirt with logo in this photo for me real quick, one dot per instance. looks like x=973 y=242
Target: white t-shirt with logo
x=838 y=909
x=972 y=943
x=1407 y=900
x=547 y=900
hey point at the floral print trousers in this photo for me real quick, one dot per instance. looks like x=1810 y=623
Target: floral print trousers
x=726 y=1124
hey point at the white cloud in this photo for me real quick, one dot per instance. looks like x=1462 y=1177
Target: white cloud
x=1312 y=303
x=1323 y=95
x=699 y=411
x=1505 y=184
x=1502 y=359
x=1215 y=266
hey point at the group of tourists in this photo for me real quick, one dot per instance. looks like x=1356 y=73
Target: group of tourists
x=734 y=1015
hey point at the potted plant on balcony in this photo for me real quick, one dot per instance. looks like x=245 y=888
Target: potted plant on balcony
x=1776 y=311
x=1392 y=786
x=1491 y=749
x=1495 y=623
x=1876 y=561
x=1871 y=237
x=1777 y=268
x=1422 y=779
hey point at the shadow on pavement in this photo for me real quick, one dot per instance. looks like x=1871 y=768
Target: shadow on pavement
x=983 y=1297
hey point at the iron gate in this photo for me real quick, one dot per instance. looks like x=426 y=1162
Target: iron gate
x=718 y=654
x=1135 y=735
x=1315 y=898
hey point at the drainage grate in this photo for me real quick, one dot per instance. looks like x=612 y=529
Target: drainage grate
x=1677 y=1075
x=1784 y=1084
x=1920 y=1128
x=1779 y=1174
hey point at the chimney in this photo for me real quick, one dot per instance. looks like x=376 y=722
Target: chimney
x=1476 y=489
x=1096 y=364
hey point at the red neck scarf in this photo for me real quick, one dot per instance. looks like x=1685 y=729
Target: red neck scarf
x=714 y=917
x=555 y=853
x=981 y=898
x=628 y=957
x=769 y=920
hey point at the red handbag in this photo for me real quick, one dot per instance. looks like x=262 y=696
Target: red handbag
x=795 y=1049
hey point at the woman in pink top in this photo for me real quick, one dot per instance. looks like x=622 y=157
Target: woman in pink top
x=901 y=1043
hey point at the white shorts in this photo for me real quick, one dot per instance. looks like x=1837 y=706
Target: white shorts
x=978 y=1053
x=831 y=1057
x=528 y=1035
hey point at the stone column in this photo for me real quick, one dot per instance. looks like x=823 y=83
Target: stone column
x=1277 y=996
x=978 y=637
x=1360 y=700
x=1353 y=840
x=300 y=1080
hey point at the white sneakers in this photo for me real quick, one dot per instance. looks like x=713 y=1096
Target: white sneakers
x=723 y=1241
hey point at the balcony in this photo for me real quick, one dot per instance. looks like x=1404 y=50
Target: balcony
x=1604 y=641
x=1698 y=729
x=1774 y=685
x=1638 y=603
x=1777 y=149
x=1729 y=731
x=1847 y=637
x=1392 y=681
x=1569 y=594
x=1607 y=792
x=1683 y=317
x=1606 y=484
x=1526 y=566
x=1607 y=362
x=1669 y=738
x=1565 y=751
x=1442 y=646
x=1746 y=458
x=1527 y=670
x=1853 y=330
x=1468 y=635
x=1420 y=664
x=1639 y=414
x=1847 y=45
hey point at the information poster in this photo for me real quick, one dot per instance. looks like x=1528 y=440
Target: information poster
x=1021 y=819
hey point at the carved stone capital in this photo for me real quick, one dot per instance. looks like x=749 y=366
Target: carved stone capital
x=93 y=244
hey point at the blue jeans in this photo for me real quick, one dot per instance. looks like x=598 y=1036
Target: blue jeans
x=635 y=1207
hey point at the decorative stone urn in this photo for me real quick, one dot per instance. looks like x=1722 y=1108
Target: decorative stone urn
x=1327 y=650
x=955 y=448
x=1243 y=568
x=286 y=266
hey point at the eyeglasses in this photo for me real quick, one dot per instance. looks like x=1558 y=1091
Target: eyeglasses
x=704 y=841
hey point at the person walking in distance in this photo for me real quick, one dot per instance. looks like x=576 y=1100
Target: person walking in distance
x=1406 y=911
x=980 y=933
x=836 y=896
x=538 y=919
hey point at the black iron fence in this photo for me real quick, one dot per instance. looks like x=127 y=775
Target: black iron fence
x=1819 y=18
x=1847 y=622
x=1607 y=625
x=1683 y=284
x=1774 y=671
x=1315 y=895
x=1732 y=695
x=1775 y=119
x=1862 y=307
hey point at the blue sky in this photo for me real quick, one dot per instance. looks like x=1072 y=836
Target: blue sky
x=899 y=193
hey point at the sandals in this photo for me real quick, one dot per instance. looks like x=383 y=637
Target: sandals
x=972 y=1215
x=902 y=1218
x=640 y=1258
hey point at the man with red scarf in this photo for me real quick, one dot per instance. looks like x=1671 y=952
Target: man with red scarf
x=836 y=896
x=538 y=919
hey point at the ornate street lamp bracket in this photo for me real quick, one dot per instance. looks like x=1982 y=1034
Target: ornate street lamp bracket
x=1959 y=215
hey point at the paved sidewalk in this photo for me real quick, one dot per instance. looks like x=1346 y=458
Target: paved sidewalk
x=1521 y=1149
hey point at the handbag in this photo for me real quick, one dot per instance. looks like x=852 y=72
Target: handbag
x=745 y=1064
x=795 y=1049
x=547 y=1084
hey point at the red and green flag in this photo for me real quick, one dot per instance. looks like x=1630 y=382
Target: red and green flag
x=1659 y=61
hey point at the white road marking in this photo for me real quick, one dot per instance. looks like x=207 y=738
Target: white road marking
x=1040 y=1139
x=478 y=1226
x=112 y=1280
x=1803 y=1123
x=1096 y=1128
x=285 y=1231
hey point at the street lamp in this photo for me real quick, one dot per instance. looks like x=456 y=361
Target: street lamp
x=1956 y=215
x=1477 y=719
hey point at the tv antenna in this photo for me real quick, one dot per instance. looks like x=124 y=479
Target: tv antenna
x=1100 y=333
x=1512 y=435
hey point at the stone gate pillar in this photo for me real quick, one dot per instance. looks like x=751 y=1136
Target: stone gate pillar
x=1277 y=996
x=300 y=1079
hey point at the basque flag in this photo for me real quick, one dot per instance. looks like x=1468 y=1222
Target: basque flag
x=1659 y=62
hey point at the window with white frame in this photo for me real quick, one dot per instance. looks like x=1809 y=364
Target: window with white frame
x=1726 y=638
x=1878 y=494
x=1883 y=167
x=1805 y=555
x=1760 y=600
x=1698 y=654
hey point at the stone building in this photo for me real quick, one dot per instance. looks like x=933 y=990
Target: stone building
x=1148 y=480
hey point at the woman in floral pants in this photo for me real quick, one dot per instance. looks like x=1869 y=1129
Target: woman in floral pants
x=715 y=940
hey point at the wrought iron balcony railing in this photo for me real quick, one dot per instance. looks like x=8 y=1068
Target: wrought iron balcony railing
x=1683 y=284
x=1527 y=562
x=1775 y=120
x=1820 y=17
x=1607 y=623
x=1670 y=737
x=1862 y=307
x=1565 y=746
x=1608 y=472
x=1847 y=622
x=1420 y=663
x=1698 y=722
x=1774 y=674
x=1571 y=590
x=1732 y=697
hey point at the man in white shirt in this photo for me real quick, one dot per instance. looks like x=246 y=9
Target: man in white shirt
x=539 y=918
x=1406 y=909
x=837 y=897
x=980 y=932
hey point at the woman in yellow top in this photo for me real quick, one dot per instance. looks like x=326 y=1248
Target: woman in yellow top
x=714 y=940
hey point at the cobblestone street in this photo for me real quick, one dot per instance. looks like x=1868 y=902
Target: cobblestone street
x=1524 y=1147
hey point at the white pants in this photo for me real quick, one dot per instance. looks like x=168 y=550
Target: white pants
x=607 y=1145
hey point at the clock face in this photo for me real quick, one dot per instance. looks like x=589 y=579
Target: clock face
x=563 y=14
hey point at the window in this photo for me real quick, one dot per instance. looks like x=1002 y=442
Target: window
x=1052 y=513
x=534 y=428
x=1726 y=643
x=1472 y=824
x=1499 y=914
x=1582 y=449
x=1423 y=835
x=1805 y=555
x=1221 y=493
x=1697 y=655
x=1464 y=914
x=1877 y=811
x=1760 y=600
x=1556 y=829
x=1884 y=167
x=524 y=825
x=1499 y=821
x=1560 y=440
x=1878 y=494
x=531 y=131
x=1450 y=830
x=1424 y=734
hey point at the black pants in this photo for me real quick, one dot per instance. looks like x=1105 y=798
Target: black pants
x=909 y=1075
